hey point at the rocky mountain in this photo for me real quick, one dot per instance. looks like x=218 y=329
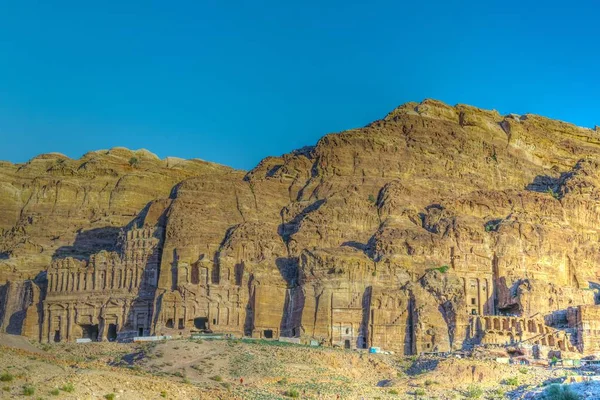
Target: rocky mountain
x=434 y=228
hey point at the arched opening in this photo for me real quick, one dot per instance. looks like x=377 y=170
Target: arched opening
x=268 y=334
x=57 y=336
x=346 y=344
x=170 y=324
x=181 y=324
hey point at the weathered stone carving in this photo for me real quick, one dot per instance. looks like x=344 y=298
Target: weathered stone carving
x=435 y=228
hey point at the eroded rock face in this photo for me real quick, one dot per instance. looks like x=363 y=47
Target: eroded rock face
x=403 y=235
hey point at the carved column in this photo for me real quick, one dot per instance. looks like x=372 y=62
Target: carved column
x=45 y=323
x=69 y=321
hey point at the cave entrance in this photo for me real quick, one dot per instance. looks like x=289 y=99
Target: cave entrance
x=112 y=332
x=181 y=324
x=90 y=332
x=268 y=333
x=512 y=309
x=200 y=323
x=170 y=324
x=57 y=336
x=346 y=344
x=140 y=331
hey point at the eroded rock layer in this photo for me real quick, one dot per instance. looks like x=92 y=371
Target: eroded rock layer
x=435 y=228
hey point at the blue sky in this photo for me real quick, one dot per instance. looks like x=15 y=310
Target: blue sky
x=233 y=82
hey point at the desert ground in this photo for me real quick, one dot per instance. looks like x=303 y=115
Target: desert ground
x=258 y=369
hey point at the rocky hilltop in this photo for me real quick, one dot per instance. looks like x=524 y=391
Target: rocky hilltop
x=432 y=229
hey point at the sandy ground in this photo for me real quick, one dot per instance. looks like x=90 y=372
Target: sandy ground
x=234 y=369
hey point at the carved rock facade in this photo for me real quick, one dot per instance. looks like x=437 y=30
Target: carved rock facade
x=435 y=228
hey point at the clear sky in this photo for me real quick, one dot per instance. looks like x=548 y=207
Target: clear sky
x=235 y=81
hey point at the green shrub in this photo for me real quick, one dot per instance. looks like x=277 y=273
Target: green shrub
x=420 y=392
x=554 y=194
x=69 y=388
x=163 y=394
x=55 y=392
x=492 y=226
x=216 y=378
x=513 y=381
x=443 y=269
x=372 y=198
x=474 y=392
x=28 y=390
x=393 y=391
x=134 y=162
x=226 y=385
x=560 y=392
x=429 y=382
x=291 y=393
x=110 y=396
x=6 y=377
x=6 y=388
x=523 y=370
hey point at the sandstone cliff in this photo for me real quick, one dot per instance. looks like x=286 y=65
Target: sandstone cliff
x=403 y=234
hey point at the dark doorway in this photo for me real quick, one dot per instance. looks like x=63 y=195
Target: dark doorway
x=268 y=334
x=293 y=332
x=239 y=274
x=112 y=332
x=363 y=343
x=346 y=344
x=170 y=323
x=200 y=323
x=90 y=332
x=140 y=331
x=181 y=325
x=195 y=275
x=57 y=336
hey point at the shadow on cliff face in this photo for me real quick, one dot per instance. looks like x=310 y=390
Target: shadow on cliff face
x=4 y=255
x=89 y=242
x=293 y=306
x=545 y=183
x=286 y=230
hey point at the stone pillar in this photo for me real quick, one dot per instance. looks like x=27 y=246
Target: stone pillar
x=480 y=297
x=69 y=321
x=45 y=323
x=126 y=308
